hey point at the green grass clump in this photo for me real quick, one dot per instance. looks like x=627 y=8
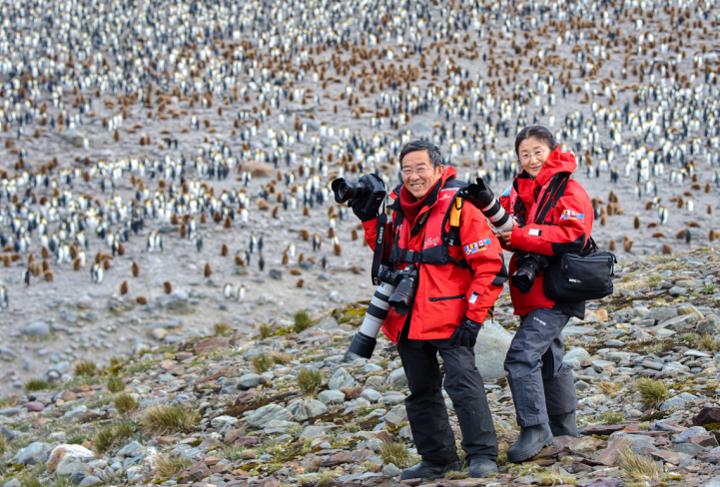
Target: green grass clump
x=262 y=363
x=396 y=453
x=3 y=444
x=168 y=466
x=125 y=403
x=86 y=368
x=163 y=419
x=708 y=343
x=115 y=365
x=638 y=467
x=301 y=321
x=112 y=435
x=37 y=385
x=266 y=331
x=309 y=380
x=652 y=391
x=115 y=384
x=222 y=329
x=555 y=476
x=611 y=417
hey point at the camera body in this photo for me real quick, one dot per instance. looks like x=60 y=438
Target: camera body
x=528 y=267
x=403 y=282
x=482 y=197
x=364 y=195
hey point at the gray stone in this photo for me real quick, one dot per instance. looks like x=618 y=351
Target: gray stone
x=393 y=397
x=223 y=423
x=390 y=470
x=490 y=349
x=662 y=314
x=315 y=431
x=131 y=449
x=261 y=416
x=681 y=323
x=341 y=378
x=397 y=378
x=279 y=426
x=710 y=325
x=371 y=395
x=396 y=415
x=331 y=396
x=36 y=452
x=356 y=404
x=678 y=402
x=76 y=411
x=275 y=274
x=576 y=357
x=676 y=291
x=90 y=481
x=71 y=467
x=689 y=433
x=575 y=330
x=303 y=409
x=249 y=380
x=36 y=329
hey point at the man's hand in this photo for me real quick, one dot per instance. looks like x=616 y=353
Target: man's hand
x=505 y=239
x=466 y=334
x=366 y=206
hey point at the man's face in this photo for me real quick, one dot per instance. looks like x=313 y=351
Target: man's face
x=418 y=173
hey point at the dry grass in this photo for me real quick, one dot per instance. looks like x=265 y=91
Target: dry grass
x=395 y=453
x=115 y=384
x=222 y=329
x=309 y=380
x=638 y=467
x=86 y=368
x=164 y=419
x=302 y=321
x=555 y=476
x=708 y=343
x=609 y=388
x=168 y=466
x=262 y=363
x=125 y=403
x=112 y=435
x=37 y=385
x=652 y=391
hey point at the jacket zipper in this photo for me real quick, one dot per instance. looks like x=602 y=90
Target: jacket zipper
x=446 y=298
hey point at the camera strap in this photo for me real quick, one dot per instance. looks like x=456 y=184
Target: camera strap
x=380 y=229
x=555 y=190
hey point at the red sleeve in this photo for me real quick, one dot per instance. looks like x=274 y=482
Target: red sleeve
x=573 y=217
x=482 y=252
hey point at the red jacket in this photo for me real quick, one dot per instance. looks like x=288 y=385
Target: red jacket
x=446 y=293
x=567 y=226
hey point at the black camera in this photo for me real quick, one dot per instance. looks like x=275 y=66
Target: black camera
x=365 y=195
x=404 y=281
x=482 y=197
x=528 y=267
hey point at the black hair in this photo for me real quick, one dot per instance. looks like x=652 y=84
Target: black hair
x=423 y=144
x=537 y=131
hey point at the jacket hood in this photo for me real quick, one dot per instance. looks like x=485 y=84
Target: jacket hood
x=557 y=161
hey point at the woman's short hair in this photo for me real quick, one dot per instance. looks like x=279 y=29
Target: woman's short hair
x=537 y=131
x=422 y=144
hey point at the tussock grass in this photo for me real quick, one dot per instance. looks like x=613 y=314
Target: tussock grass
x=168 y=466
x=222 y=329
x=262 y=363
x=555 y=476
x=609 y=388
x=309 y=380
x=396 y=453
x=163 y=419
x=86 y=368
x=9 y=401
x=115 y=365
x=301 y=321
x=611 y=417
x=708 y=343
x=281 y=358
x=652 y=391
x=112 y=435
x=125 y=403
x=37 y=385
x=637 y=466
x=265 y=331
x=3 y=444
x=115 y=384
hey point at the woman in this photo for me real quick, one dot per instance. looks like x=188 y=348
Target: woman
x=542 y=386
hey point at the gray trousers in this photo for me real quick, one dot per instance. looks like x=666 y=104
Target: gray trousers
x=425 y=405
x=541 y=384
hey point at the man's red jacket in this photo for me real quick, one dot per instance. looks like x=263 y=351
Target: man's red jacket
x=449 y=292
x=567 y=226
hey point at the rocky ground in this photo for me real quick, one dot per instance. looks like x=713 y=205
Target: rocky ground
x=282 y=409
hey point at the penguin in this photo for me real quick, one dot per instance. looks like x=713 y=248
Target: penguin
x=4 y=300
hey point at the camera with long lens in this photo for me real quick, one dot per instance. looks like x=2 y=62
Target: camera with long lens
x=396 y=289
x=365 y=195
x=482 y=197
x=528 y=267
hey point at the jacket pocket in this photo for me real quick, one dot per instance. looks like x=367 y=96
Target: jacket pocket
x=445 y=298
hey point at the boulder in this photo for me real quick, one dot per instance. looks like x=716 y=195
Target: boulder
x=492 y=345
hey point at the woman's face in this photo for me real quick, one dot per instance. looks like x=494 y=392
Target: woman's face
x=533 y=153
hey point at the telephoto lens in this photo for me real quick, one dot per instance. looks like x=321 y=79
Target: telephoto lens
x=363 y=343
x=482 y=197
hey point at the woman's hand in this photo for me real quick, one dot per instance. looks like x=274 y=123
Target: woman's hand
x=505 y=239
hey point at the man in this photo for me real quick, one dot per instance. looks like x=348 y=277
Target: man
x=459 y=275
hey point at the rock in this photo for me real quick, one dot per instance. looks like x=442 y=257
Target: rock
x=396 y=415
x=371 y=395
x=34 y=406
x=36 y=452
x=707 y=415
x=223 y=423
x=72 y=467
x=259 y=417
x=340 y=379
x=710 y=325
x=390 y=470
x=249 y=380
x=397 y=378
x=689 y=433
x=275 y=274
x=331 y=396
x=207 y=345
x=393 y=397
x=662 y=314
x=576 y=357
x=36 y=329
x=67 y=452
x=90 y=481
x=677 y=402
x=303 y=409
x=680 y=323
x=490 y=349
x=131 y=449
x=676 y=291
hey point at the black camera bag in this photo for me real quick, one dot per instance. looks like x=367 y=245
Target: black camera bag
x=575 y=276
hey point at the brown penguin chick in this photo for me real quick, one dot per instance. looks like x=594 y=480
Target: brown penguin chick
x=121 y=249
x=49 y=276
x=627 y=244
x=123 y=288
x=183 y=231
x=228 y=222
x=167 y=287
x=45 y=266
x=274 y=212
x=636 y=223
x=300 y=283
x=337 y=249
x=611 y=245
x=106 y=264
x=680 y=234
x=354 y=234
x=207 y=271
x=602 y=220
x=306 y=211
x=239 y=261
x=711 y=235
x=295 y=271
x=224 y=250
x=331 y=232
x=142 y=300
x=285 y=258
x=45 y=253
x=77 y=264
x=304 y=235
x=658 y=235
x=666 y=249
x=135 y=269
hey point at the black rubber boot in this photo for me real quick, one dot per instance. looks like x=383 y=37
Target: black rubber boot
x=564 y=425
x=427 y=470
x=531 y=440
x=481 y=467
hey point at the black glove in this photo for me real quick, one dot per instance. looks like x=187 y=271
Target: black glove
x=366 y=206
x=466 y=334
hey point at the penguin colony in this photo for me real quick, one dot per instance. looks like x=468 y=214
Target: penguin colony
x=144 y=129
